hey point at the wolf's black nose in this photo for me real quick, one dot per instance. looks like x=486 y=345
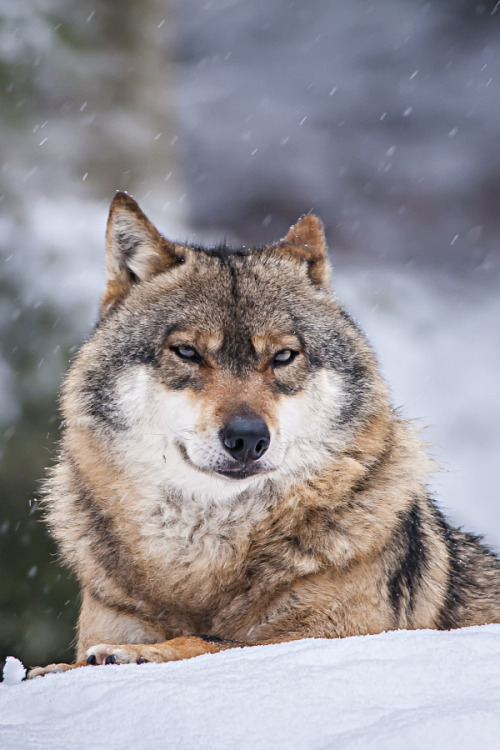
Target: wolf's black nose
x=246 y=438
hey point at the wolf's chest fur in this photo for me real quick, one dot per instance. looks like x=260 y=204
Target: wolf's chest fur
x=231 y=461
x=200 y=547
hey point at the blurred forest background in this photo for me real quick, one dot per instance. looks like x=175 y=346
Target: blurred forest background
x=227 y=118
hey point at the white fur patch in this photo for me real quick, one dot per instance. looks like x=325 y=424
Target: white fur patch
x=305 y=424
x=161 y=421
x=164 y=425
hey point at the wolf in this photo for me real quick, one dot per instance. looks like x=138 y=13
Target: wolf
x=232 y=471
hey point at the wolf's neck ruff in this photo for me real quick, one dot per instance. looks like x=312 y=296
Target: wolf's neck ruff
x=231 y=463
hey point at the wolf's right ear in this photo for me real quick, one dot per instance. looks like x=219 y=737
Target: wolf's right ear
x=135 y=250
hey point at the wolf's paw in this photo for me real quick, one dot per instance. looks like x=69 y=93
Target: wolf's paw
x=129 y=654
x=183 y=647
x=49 y=669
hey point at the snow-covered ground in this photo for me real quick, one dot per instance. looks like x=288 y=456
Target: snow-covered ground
x=401 y=690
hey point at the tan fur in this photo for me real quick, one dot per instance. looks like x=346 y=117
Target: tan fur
x=333 y=536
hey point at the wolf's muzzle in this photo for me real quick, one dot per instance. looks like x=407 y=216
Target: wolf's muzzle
x=245 y=438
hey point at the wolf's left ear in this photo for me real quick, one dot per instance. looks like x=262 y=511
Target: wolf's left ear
x=306 y=242
x=135 y=250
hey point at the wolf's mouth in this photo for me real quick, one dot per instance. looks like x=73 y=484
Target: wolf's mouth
x=243 y=471
x=237 y=470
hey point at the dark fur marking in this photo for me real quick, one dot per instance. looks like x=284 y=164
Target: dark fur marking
x=287 y=389
x=458 y=583
x=356 y=376
x=473 y=575
x=364 y=483
x=144 y=353
x=215 y=639
x=294 y=542
x=224 y=251
x=180 y=382
x=404 y=580
x=99 y=399
x=133 y=277
x=107 y=548
x=99 y=383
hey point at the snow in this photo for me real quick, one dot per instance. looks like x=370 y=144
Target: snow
x=13 y=671
x=420 y=689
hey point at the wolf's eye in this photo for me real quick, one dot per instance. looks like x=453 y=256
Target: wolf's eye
x=283 y=357
x=184 y=351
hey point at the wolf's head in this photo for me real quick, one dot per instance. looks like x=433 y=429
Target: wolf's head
x=214 y=368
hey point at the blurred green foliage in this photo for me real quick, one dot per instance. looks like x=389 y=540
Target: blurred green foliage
x=38 y=599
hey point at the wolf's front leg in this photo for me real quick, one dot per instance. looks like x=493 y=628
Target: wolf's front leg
x=100 y=622
x=184 y=647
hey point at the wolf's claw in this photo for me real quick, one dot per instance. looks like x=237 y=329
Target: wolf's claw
x=107 y=654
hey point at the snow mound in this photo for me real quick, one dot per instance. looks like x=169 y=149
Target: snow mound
x=14 y=671
x=420 y=689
